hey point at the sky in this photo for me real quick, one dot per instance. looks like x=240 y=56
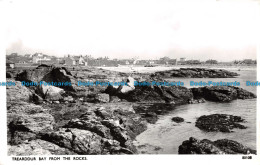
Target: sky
x=145 y=29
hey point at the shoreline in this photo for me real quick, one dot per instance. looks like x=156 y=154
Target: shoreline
x=141 y=69
x=106 y=113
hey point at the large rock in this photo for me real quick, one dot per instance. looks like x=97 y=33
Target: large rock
x=233 y=147
x=85 y=142
x=26 y=121
x=223 y=146
x=178 y=119
x=130 y=85
x=32 y=123
x=48 y=74
x=79 y=141
x=179 y=94
x=18 y=93
x=122 y=89
x=155 y=94
x=123 y=118
x=34 y=75
x=20 y=108
x=119 y=125
x=221 y=93
x=194 y=73
x=37 y=147
x=219 y=122
x=28 y=127
x=91 y=125
x=51 y=93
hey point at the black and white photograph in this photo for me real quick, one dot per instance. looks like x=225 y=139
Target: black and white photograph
x=111 y=77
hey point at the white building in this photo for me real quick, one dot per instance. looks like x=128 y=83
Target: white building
x=39 y=57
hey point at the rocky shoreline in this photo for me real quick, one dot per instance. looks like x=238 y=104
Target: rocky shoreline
x=195 y=73
x=205 y=146
x=96 y=120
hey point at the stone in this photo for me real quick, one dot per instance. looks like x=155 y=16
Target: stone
x=51 y=93
x=79 y=141
x=37 y=147
x=221 y=93
x=90 y=125
x=34 y=122
x=48 y=73
x=130 y=85
x=18 y=93
x=222 y=146
x=178 y=119
x=154 y=94
x=119 y=124
x=26 y=121
x=219 y=123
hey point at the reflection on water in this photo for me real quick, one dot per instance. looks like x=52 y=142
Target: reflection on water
x=166 y=136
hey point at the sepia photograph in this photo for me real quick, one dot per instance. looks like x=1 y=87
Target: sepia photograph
x=125 y=77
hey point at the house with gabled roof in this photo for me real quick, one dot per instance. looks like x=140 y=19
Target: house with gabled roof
x=75 y=60
x=39 y=58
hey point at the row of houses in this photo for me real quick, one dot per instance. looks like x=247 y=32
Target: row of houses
x=40 y=58
x=69 y=60
x=74 y=60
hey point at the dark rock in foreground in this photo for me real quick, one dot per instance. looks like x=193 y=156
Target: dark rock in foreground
x=194 y=73
x=178 y=119
x=26 y=121
x=221 y=93
x=19 y=93
x=33 y=129
x=38 y=147
x=103 y=131
x=219 y=122
x=223 y=146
